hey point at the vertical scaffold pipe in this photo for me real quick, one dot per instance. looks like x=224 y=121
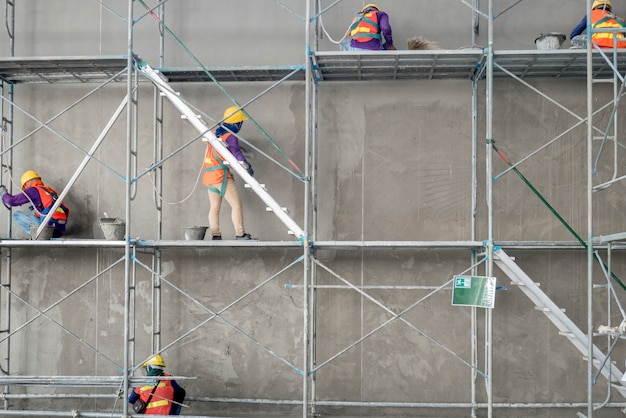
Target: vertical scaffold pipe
x=209 y=136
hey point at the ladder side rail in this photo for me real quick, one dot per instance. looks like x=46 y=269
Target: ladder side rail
x=210 y=137
x=556 y=315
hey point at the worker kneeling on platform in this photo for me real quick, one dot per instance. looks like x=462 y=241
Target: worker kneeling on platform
x=602 y=17
x=41 y=199
x=161 y=397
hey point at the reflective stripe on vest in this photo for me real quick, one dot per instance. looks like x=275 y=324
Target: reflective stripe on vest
x=365 y=27
x=214 y=168
x=48 y=197
x=602 y=19
x=160 y=403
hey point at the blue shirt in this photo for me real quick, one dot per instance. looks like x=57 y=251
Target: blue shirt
x=580 y=28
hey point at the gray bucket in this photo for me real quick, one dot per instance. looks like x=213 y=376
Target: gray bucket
x=550 y=40
x=113 y=228
x=46 y=232
x=195 y=232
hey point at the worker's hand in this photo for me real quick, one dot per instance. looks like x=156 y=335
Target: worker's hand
x=248 y=167
x=391 y=48
x=3 y=191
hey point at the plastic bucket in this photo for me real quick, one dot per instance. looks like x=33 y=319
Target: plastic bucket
x=195 y=232
x=46 y=232
x=113 y=228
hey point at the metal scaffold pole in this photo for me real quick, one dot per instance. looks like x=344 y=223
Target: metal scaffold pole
x=590 y=358
x=489 y=193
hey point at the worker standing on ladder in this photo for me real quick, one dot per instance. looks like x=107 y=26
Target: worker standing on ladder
x=602 y=17
x=41 y=199
x=218 y=178
x=370 y=30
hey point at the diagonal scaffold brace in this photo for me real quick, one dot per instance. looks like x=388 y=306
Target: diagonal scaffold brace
x=159 y=81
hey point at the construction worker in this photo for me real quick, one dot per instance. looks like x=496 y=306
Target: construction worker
x=41 y=199
x=602 y=17
x=162 y=397
x=218 y=178
x=370 y=30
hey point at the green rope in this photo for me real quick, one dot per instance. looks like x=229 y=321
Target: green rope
x=219 y=85
x=554 y=212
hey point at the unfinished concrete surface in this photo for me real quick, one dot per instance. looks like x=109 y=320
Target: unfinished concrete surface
x=393 y=179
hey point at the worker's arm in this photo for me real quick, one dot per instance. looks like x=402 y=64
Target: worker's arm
x=385 y=30
x=133 y=397
x=582 y=25
x=21 y=198
x=233 y=146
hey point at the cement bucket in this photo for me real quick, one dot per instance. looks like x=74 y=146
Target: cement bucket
x=195 y=232
x=550 y=40
x=113 y=228
x=46 y=232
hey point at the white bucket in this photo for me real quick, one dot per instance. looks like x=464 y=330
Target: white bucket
x=113 y=228
x=46 y=232
x=195 y=232
x=550 y=41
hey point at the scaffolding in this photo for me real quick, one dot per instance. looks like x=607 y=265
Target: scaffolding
x=476 y=65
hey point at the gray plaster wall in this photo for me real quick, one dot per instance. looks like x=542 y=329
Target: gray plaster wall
x=394 y=163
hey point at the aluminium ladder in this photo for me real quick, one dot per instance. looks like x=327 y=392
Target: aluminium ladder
x=565 y=325
x=207 y=136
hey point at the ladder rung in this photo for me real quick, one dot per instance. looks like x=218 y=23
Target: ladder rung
x=521 y=284
x=602 y=80
x=268 y=209
x=544 y=309
x=247 y=186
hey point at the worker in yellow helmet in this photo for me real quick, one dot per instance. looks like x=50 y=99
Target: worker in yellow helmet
x=218 y=178
x=41 y=199
x=602 y=17
x=161 y=397
x=370 y=30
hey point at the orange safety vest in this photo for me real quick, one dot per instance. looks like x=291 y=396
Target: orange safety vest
x=365 y=27
x=48 y=197
x=160 y=403
x=214 y=168
x=603 y=19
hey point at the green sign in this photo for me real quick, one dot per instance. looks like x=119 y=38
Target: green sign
x=476 y=291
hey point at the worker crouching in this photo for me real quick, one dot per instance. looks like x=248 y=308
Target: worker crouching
x=41 y=199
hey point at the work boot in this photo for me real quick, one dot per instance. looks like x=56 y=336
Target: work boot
x=217 y=237
x=244 y=236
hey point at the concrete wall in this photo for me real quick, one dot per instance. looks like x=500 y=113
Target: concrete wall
x=394 y=163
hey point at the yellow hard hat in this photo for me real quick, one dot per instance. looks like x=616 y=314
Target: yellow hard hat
x=28 y=176
x=604 y=3
x=367 y=6
x=155 y=361
x=234 y=115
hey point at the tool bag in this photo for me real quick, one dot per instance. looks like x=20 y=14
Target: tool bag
x=139 y=406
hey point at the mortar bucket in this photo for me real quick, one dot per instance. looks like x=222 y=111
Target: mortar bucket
x=113 y=228
x=195 y=232
x=46 y=232
x=550 y=40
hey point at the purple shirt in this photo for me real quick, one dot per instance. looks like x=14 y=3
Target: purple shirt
x=21 y=199
x=385 y=31
x=232 y=143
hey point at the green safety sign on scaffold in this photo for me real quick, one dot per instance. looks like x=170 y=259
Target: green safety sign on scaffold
x=476 y=291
